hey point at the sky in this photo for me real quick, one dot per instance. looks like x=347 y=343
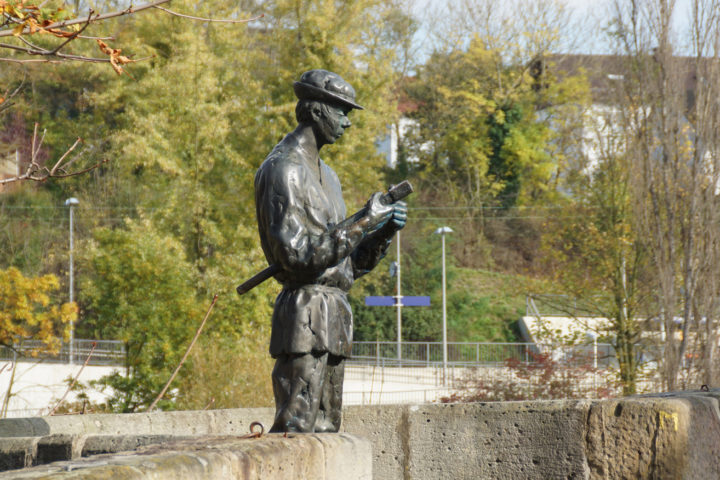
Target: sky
x=595 y=11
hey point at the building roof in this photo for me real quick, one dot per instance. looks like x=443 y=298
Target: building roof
x=606 y=73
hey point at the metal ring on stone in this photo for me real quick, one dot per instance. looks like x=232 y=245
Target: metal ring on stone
x=257 y=424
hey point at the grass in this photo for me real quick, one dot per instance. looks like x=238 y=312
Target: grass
x=484 y=306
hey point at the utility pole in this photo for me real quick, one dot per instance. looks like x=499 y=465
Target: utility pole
x=442 y=231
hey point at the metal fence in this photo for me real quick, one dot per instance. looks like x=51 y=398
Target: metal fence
x=470 y=354
x=107 y=352
x=367 y=385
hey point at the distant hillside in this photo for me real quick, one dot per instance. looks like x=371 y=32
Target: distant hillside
x=482 y=306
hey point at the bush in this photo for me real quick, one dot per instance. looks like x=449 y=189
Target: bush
x=542 y=378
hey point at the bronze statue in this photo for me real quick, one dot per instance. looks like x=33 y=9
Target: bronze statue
x=316 y=257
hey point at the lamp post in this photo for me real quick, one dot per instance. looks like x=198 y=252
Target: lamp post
x=395 y=271
x=442 y=231
x=71 y=203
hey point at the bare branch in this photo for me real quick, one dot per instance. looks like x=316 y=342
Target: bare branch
x=94 y=344
x=61 y=56
x=88 y=37
x=79 y=172
x=4 y=103
x=59 y=162
x=187 y=352
x=74 y=35
x=9 y=366
x=29 y=60
x=66 y=23
x=31 y=45
x=202 y=19
x=81 y=58
x=38 y=173
x=35 y=50
x=33 y=150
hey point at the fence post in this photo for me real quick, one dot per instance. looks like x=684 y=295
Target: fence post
x=477 y=352
x=427 y=356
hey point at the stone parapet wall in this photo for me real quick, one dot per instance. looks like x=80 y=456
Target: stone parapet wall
x=669 y=436
x=675 y=435
x=200 y=422
x=312 y=456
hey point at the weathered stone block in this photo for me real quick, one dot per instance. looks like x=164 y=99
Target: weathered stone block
x=99 y=444
x=18 y=452
x=308 y=456
x=655 y=436
x=54 y=448
x=205 y=422
x=674 y=435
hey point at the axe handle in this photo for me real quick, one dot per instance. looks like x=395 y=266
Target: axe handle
x=259 y=278
x=395 y=193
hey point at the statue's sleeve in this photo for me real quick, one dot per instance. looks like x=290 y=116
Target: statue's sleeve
x=295 y=243
x=371 y=250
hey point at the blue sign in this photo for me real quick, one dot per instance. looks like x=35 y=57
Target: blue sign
x=407 y=301
x=379 y=301
x=416 y=301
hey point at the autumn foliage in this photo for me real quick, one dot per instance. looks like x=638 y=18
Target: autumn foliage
x=27 y=310
x=541 y=378
x=26 y=17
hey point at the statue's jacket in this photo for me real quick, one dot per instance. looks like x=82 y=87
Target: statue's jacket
x=298 y=200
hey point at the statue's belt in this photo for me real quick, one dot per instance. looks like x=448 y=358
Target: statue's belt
x=319 y=287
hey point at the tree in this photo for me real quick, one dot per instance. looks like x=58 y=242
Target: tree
x=53 y=19
x=27 y=311
x=488 y=135
x=43 y=33
x=595 y=255
x=137 y=287
x=23 y=23
x=671 y=120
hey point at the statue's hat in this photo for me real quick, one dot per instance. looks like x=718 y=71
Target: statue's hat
x=326 y=87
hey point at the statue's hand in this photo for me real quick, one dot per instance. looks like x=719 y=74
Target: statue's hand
x=399 y=215
x=378 y=214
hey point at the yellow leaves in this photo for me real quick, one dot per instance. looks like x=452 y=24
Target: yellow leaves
x=25 y=311
x=116 y=60
x=8 y=9
x=30 y=19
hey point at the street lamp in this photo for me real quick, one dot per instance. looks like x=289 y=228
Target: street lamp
x=71 y=203
x=398 y=302
x=442 y=231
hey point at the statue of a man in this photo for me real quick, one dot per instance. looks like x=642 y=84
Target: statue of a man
x=298 y=200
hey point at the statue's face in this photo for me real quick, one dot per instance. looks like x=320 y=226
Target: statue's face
x=332 y=123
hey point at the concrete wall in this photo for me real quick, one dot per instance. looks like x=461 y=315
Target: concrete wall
x=673 y=436
x=37 y=386
x=317 y=457
x=655 y=436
